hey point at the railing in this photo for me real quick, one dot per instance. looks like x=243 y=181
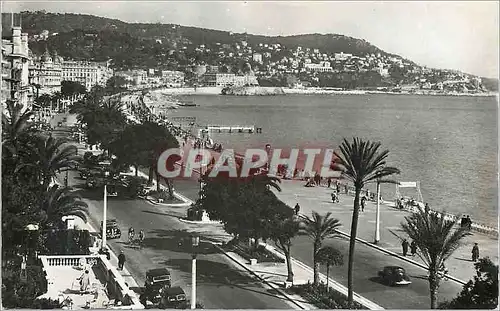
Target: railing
x=115 y=283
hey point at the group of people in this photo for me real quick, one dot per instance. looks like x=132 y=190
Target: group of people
x=131 y=235
x=466 y=222
x=413 y=247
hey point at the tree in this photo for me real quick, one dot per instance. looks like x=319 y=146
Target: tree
x=320 y=228
x=15 y=126
x=59 y=202
x=329 y=256
x=479 y=293
x=283 y=230
x=361 y=163
x=51 y=155
x=436 y=241
x=72 y=88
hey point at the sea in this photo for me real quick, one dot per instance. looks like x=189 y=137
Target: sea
x=449 y=144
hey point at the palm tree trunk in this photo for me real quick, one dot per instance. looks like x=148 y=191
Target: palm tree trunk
x=352 y=243
x=433 y=286
x=170 y=188
x=288 y=264
x=315 y=265
x=158 y=188
x=327 y=278
x=150 y=175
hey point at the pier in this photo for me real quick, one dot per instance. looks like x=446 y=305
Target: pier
x=234 y=129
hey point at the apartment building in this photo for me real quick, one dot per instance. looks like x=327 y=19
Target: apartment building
x=229 y=79
x=15 y=68
x=46 y=72
x=87 y=73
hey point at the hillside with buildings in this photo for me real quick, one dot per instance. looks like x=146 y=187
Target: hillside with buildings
x=89 y=50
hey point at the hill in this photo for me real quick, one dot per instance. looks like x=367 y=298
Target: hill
x=170 y=34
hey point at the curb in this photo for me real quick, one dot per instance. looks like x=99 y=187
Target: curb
x=394 y=254
x=185 y=204
x=298 y=304
x=199 y=222
x=333 y=284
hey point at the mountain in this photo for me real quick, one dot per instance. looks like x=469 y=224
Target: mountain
x=36 y=22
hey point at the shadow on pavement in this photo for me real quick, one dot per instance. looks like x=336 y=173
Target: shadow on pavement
x=376 y=279
x=166 y=214
x=222 y=274
x=177 y=241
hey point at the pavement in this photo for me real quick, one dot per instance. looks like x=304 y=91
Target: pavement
x=318 y=199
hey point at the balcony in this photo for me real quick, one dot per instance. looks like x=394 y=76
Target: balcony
x=107 y=287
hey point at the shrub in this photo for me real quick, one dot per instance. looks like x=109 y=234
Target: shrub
x=22 y=293
x=323 y=299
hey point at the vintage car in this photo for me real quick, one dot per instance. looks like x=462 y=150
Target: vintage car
x=112 y=229
x=394 y=275
x=172 y=297
x=156 y=280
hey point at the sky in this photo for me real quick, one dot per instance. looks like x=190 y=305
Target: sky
x=447 y=35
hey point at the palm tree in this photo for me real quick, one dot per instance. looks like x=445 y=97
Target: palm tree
x=361 y=163
x=59 y=202
x=436 y=241
x=320 y=228
x=329 y=256
x=15 y=124
x=52 y=156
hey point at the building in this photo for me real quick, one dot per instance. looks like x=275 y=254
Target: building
x=86 y=73
x=173 y=78
x=46 y=72
x=15 y=68
x=257 y=57
x=229 y=79
x=342 y=56
x=321 y=67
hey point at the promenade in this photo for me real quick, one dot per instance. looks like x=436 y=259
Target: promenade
x=318 y=199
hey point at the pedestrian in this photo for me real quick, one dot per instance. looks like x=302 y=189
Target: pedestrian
x=121 y=260
x=469 y=222
x=405 y=247
x=463 y=222
x=338 y=187
x=346 y=189
x=363 y=200
x=84 y=282
x=297 y=209
x=329 y=182
x=475 y=252
x=413 y=247
x=427 y=208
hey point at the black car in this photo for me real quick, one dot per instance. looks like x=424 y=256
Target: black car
x=156 y=280
x=394 y=275
x=172 y=297
x=112 y=229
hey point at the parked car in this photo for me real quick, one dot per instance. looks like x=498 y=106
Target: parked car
x=156 y=280
x=172 y=297
x=112 y=229
x=394 y=275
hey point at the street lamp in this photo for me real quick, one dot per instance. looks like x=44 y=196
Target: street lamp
x=105 y=209
x=195 y=241
x=377 y=219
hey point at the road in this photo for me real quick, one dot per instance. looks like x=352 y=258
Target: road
x=167 y=244
x=367 y=263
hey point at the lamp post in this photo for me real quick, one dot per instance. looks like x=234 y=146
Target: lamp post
x=377 y=219
x=195 y=241
x=105 y=209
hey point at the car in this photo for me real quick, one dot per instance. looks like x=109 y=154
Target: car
x=172 y=297
x=156 y=280
x=394 y=275
x=112 y=229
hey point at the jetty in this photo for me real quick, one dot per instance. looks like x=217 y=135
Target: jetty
x=233 y=129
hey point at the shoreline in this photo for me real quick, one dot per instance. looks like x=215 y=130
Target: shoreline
x=189 y=91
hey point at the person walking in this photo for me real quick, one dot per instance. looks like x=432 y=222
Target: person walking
x=427 y=208
x=121 y=260
x=338 y=187
x=329 y=182
x=84 y=282
x=363 y=200
x=346 y=189
x=297 y=209
x=405 y=247
x=141 y=237
x=413 y=248
x=475 y=252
